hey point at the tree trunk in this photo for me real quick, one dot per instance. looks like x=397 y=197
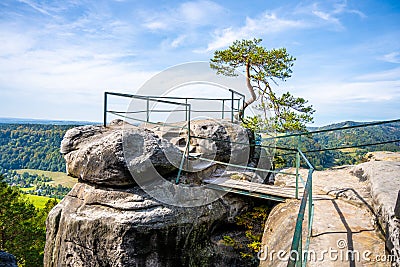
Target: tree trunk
x=251 y=90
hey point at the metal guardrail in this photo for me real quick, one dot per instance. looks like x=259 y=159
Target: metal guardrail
x=236 y=100
x=297 y=257
x=307 y=200
x=335 y=129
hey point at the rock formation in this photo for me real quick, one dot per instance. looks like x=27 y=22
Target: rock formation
x=382 y=173
x=103 y=226
x=351 y=204
x=107 y=220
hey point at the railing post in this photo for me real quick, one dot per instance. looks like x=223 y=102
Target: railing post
x=186 y=153
x=297 y=173
x=188 y=139
x=310 y=203
x=244 y=101
x=147 y=109
x=232 y=104
x=223 y=109
x=186 y=115
x=105 y=110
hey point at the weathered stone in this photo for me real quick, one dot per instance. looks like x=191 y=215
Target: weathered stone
x=384 y=182
x=95 y=154
x=278 y=234
x=232 y=144
x=125 y=227
x=220 y=140
x=382 y=156
x=146 y=154
x=342 y=213
x=7 y=259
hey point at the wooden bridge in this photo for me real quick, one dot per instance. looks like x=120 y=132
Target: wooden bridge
x=272 y=192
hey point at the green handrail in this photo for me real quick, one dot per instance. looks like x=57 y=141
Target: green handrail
x=297 y=243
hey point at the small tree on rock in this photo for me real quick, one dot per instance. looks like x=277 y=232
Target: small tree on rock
x=261 y=66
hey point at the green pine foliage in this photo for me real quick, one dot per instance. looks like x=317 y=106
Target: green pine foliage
x=22 y=226
x=263 y=67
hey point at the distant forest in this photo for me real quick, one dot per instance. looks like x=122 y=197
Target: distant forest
x=354 y=139
x=32 y=146
x=36 y=146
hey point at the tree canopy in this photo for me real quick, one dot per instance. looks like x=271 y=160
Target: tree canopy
x=262 y=66
x=22 y=226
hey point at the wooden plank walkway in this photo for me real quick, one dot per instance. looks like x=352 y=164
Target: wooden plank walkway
x=273 y=192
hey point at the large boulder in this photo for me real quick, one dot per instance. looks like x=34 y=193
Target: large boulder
x=278 y=233
x=95 y=154
x=95 y=226
x=220 y=140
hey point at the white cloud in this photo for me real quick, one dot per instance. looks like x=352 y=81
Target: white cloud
x=265 y=24
x=64 y=83
x=157 y=25
x=68 y=70
x=14 y=43
x=327 y=13
x=35 y=6
x=342 y=7
x=327 y=17
x=297 y=17
x=178 y=41
x=188 y=14
x=387 y=75
x=393 y=57
x=199 y=12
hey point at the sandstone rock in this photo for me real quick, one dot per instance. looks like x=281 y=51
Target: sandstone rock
x=384 y=180
x=227 y=144
x=232 y=144
x=147 y=155
x=382 y=156
x=7 y=259
x=125 y=227
x=278 y=233
x=95 y=154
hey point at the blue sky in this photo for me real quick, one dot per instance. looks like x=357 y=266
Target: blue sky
x=57 y=57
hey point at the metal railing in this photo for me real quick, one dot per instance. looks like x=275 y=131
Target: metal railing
x=297 y=257
x=307 y=200
x=237 y=99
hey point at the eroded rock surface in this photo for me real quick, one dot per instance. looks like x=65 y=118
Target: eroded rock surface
x=108 y=220
x=95 y=154
x=349 y=202
x=125 y=227
x=383 y=178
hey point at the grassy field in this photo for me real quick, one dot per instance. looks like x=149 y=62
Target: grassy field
x=58 y=177
x=27 y=188
x=38 y=201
